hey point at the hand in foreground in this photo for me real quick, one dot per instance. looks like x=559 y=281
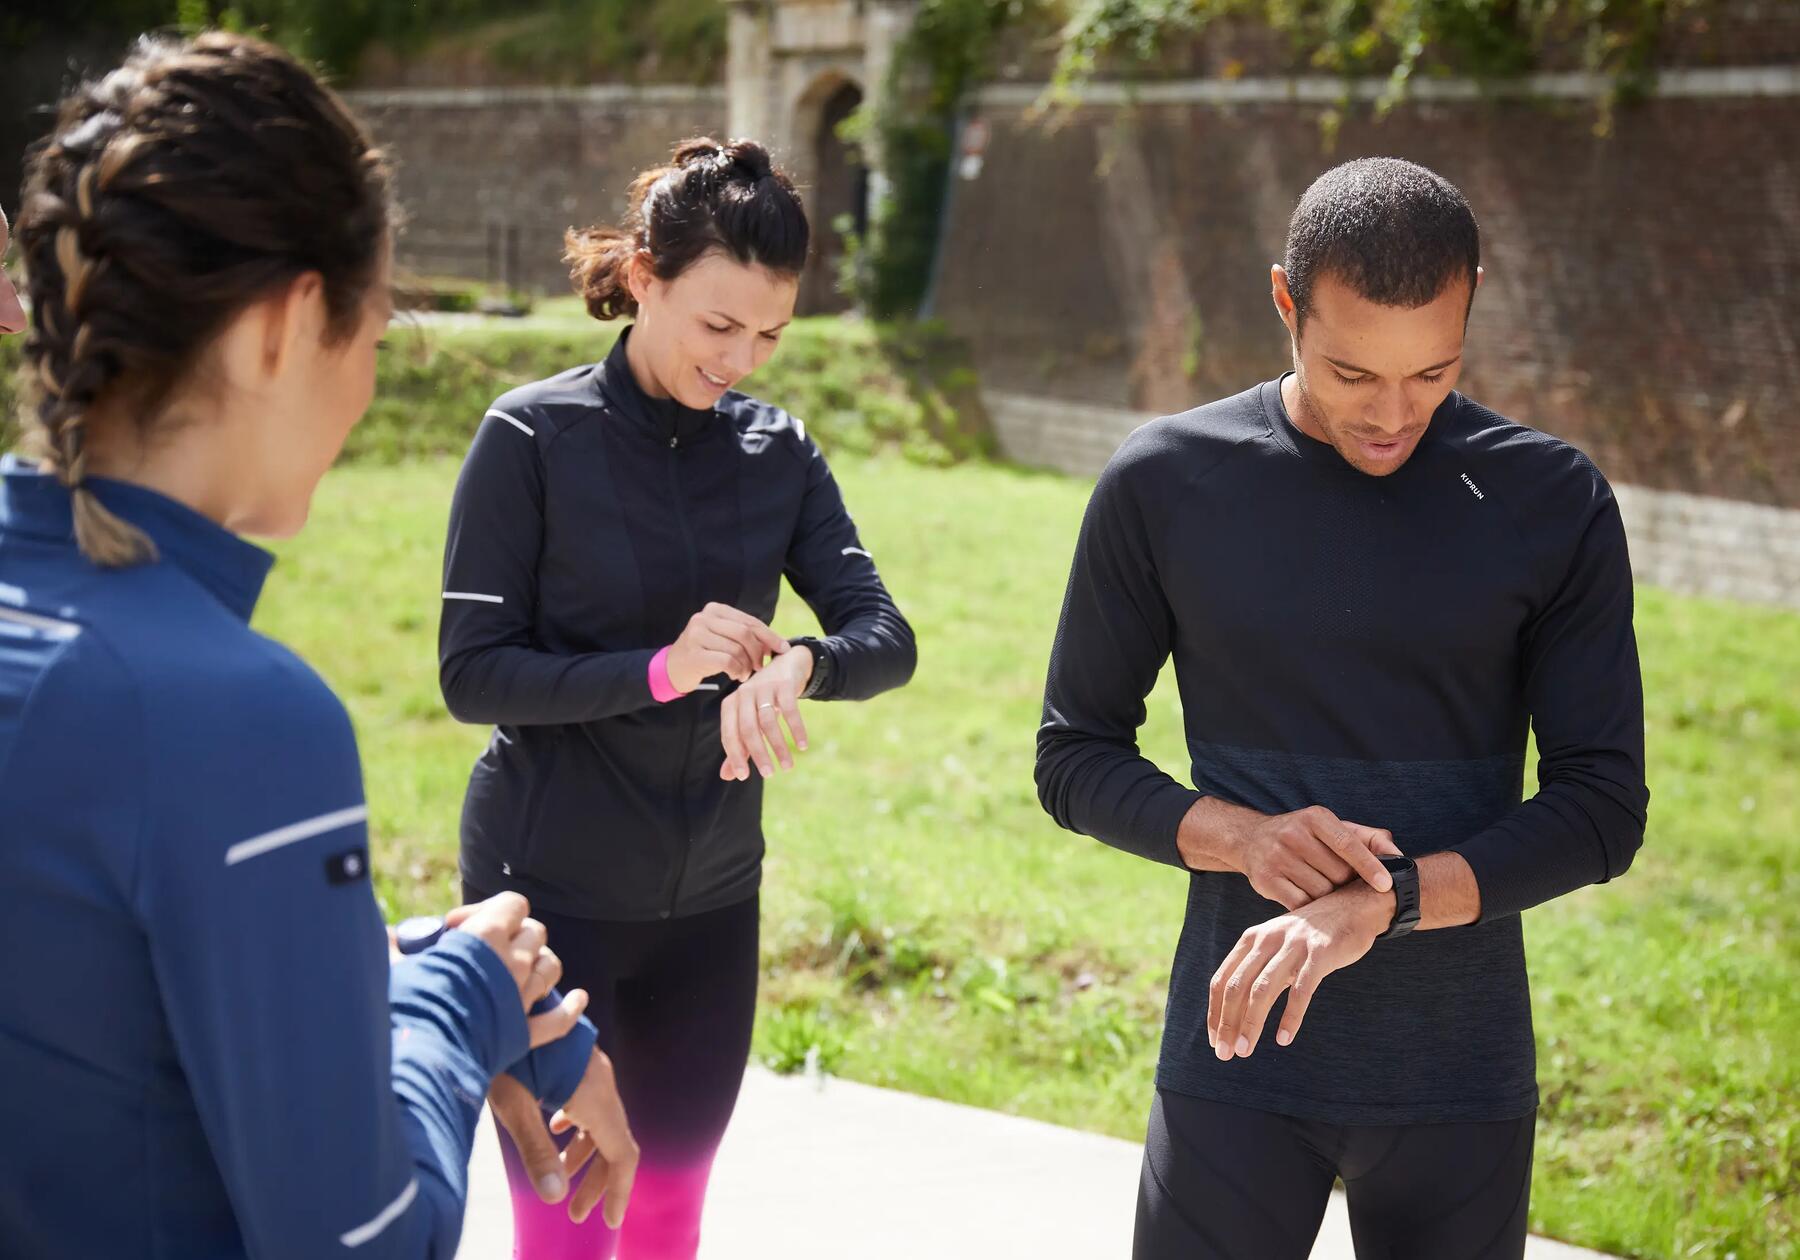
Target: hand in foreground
x=1292 y=858
x=750 y=718
x=604 y=1138
x=719 y=639
x=504 y=923
x=1294 y=951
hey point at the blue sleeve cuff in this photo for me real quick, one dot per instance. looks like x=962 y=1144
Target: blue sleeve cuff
x=461 y=989
x=553 y=1072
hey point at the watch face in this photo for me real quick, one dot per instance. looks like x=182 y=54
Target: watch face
x=1399 y=865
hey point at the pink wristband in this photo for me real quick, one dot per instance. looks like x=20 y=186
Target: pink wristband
x=661 y=689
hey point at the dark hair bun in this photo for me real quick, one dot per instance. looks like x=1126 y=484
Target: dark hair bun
x=711 y=198
x=750 y=158
x=690 y=152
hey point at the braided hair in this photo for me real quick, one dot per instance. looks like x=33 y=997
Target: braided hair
x=711 y=197
x=197 y=177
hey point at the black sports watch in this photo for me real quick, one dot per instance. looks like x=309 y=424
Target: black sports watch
x=1406 y=896
x=820 y=682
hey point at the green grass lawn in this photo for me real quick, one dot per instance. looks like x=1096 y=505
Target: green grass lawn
x=927 y=927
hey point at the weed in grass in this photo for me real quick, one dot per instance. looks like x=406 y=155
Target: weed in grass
x=802 y=1039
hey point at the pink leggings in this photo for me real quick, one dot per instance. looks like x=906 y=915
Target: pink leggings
x=663 y=1223
x=674 y=1001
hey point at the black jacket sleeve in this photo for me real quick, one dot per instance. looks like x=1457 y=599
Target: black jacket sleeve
x=1115 y=633
x=1586 y=697
x=488 y=666
x=871 y=645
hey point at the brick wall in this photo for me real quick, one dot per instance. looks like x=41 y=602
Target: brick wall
x=1642 y=291
x=535 y=159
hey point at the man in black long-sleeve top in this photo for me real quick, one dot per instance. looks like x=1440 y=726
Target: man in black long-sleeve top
x=1372 y=587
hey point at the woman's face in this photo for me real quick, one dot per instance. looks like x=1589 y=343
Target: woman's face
x=708 y=328
x=328 y=387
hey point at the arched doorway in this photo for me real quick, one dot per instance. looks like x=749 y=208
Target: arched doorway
x=839 y=193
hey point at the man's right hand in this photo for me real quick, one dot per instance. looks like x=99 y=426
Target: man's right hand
x=1292 y=858
x=721 y=640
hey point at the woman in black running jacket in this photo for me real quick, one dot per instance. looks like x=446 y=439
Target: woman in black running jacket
x=616 y=547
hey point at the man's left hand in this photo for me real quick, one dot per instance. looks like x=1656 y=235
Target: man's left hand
x=518 y=1113
x=1295 y=951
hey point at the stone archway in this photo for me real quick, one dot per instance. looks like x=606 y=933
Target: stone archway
x=838 y=189
x=797 y=68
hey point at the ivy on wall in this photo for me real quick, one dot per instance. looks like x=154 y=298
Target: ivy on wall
x=1485 y=39
x=952 y=42
x=911 y=120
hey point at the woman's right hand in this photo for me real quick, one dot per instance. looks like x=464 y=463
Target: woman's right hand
x=721 y=640
x=504 y=923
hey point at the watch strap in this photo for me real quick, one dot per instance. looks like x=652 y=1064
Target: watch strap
x=819 y=685
x=1405 y=873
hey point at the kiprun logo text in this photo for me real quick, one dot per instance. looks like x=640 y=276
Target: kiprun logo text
x=1473 y=488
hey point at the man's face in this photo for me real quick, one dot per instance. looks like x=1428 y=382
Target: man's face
x=12 y=315
x=1368 y=376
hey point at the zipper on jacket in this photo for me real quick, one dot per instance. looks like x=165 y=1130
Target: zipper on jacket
x=687 y=751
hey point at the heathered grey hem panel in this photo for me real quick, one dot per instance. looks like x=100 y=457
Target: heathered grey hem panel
x=1471 y=1110
x=1432 y=1028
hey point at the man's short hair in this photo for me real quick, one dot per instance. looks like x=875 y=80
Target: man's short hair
x=1395 y=232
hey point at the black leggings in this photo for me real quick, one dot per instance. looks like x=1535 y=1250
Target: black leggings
x=1228 y=1183
x=674 y=1000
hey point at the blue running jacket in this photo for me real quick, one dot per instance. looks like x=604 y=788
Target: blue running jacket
x=204 y=1052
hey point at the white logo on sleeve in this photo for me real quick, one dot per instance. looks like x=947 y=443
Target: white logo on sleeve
x=1473 y=488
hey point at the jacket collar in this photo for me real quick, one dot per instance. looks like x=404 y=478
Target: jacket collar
x=664 y=419
x=231 y=569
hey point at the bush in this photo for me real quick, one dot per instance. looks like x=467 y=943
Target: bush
x=859 y=387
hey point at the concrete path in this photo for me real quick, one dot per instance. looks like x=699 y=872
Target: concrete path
x=820 y=1172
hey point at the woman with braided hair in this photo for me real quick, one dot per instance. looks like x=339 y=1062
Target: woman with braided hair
x=617 y=543
x=206 y=1048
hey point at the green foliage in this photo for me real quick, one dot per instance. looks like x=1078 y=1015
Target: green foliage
x=800 y=1039
x=912 y=119
x=952 y=42
x=1488 y=39
x=550 y=39
x=859 y=387
x=571 y=40
x=22 y=24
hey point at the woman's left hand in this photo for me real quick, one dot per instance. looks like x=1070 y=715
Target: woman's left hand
x=751 y=717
